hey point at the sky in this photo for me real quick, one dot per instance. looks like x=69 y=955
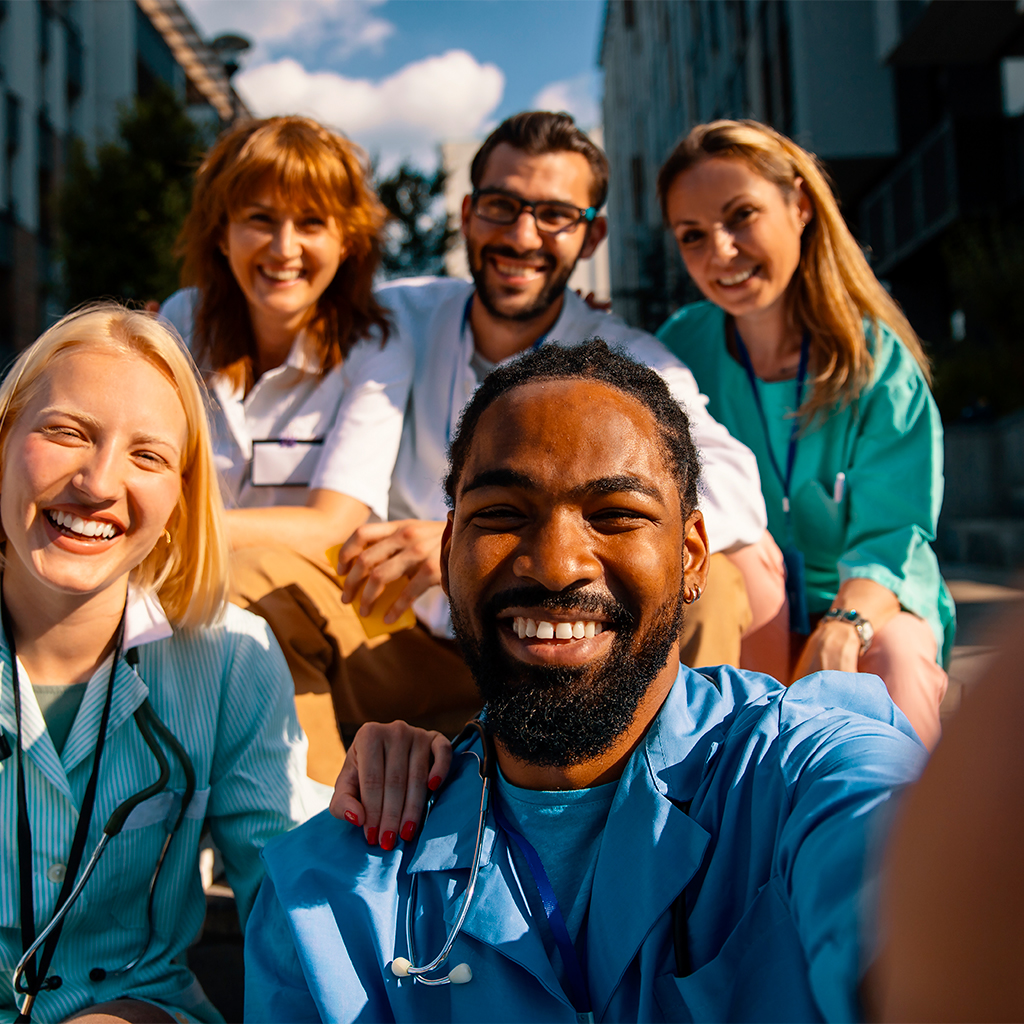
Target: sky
x=402 y=76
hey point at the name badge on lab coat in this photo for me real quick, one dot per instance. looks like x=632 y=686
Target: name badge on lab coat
x=283 y=462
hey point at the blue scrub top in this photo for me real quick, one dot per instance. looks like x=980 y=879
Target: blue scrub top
x=762 y=803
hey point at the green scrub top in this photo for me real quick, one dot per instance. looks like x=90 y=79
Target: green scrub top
x=887 y=443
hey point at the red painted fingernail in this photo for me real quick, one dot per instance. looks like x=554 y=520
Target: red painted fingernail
x=435 y=781
x=388 y=840
x=351 y=817
x=371 y=835
x=408 y=830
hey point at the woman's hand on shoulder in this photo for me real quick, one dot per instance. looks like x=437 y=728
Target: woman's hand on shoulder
x=388 y=772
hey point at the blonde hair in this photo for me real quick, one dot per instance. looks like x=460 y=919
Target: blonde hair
x=189 y=574
x=305 y=165
x=833 y=290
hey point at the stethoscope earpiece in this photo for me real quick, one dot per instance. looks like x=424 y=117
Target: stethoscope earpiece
x=461 y=974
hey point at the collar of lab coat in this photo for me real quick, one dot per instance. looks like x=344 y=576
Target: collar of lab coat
x=648 y=835
x=145 y=622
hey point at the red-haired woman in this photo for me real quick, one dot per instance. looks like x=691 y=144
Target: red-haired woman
x=280 y=249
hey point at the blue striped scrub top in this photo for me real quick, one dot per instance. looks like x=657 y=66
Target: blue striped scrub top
x=226 y=694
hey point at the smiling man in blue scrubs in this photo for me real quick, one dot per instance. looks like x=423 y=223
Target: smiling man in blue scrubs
x=661 y=844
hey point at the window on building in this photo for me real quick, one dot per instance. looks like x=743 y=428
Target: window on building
x=636 y=167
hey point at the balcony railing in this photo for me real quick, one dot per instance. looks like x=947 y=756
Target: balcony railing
x=915 y=201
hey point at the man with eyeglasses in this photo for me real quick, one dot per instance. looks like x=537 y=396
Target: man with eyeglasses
x=538 y=187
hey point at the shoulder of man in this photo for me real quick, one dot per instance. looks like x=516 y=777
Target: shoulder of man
x=579 y=323
x=421 y=293
x=824 y=708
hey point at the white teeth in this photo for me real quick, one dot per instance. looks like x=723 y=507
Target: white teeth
x=737 y=278
x=515 y=270
x=524 y=627
x=83 y=527
x=281 y=275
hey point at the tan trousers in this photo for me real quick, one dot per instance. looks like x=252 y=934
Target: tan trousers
x=342 y=679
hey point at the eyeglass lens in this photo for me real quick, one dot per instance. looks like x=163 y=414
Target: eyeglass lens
x=501 y=209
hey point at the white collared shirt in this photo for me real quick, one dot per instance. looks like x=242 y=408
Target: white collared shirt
x=428 y=313
x=297 y=430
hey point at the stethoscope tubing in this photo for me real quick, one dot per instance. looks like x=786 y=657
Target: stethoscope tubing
x=149 y=725
x=62 y=913
x=486 y=774
x=418 y=972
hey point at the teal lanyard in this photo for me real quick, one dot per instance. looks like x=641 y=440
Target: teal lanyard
x=801 y=377
x=796 y=591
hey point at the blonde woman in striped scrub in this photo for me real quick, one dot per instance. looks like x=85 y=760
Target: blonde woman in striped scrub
x=113 y=589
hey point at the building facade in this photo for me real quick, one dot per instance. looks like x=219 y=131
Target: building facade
x=913 y=105
x=67 y=67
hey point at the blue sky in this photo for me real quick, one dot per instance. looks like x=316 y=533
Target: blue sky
x=401 y=76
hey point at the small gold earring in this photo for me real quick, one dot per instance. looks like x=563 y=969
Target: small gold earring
x=167 y=537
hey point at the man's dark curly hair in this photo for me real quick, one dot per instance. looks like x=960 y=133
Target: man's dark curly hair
x=593 y=360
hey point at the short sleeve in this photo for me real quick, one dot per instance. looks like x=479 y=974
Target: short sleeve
x=361 y=445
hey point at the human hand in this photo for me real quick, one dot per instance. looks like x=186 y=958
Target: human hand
x=380 y=553
x=384 y=782
x=835 y=644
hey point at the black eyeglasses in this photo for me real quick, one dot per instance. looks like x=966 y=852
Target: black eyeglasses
x=551 y=218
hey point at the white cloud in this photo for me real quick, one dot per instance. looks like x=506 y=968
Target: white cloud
x=579 y=96
x=407 y=114
x=342 y=26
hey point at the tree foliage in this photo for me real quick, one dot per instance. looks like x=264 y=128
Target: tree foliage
x=120 y=213
x=418 y=236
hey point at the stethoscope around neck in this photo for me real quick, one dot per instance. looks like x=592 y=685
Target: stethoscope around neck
x=153 y=730
x=401 y=967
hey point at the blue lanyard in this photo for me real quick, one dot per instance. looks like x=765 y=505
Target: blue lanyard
x=801 y=377
x=455 y=377
x=570 y=961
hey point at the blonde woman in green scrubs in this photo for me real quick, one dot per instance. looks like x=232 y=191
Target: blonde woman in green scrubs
x=807 y=360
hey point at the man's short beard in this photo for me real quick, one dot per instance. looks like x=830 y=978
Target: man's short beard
x=558 y=716
x=549 y=295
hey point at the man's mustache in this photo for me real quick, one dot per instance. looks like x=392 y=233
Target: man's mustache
x=510 y=253
x=582 y=600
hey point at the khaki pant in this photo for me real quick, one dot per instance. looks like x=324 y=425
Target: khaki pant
x=342 y=679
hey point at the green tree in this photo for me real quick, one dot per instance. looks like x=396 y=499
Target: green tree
x=418 y=236
x=120 y=214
